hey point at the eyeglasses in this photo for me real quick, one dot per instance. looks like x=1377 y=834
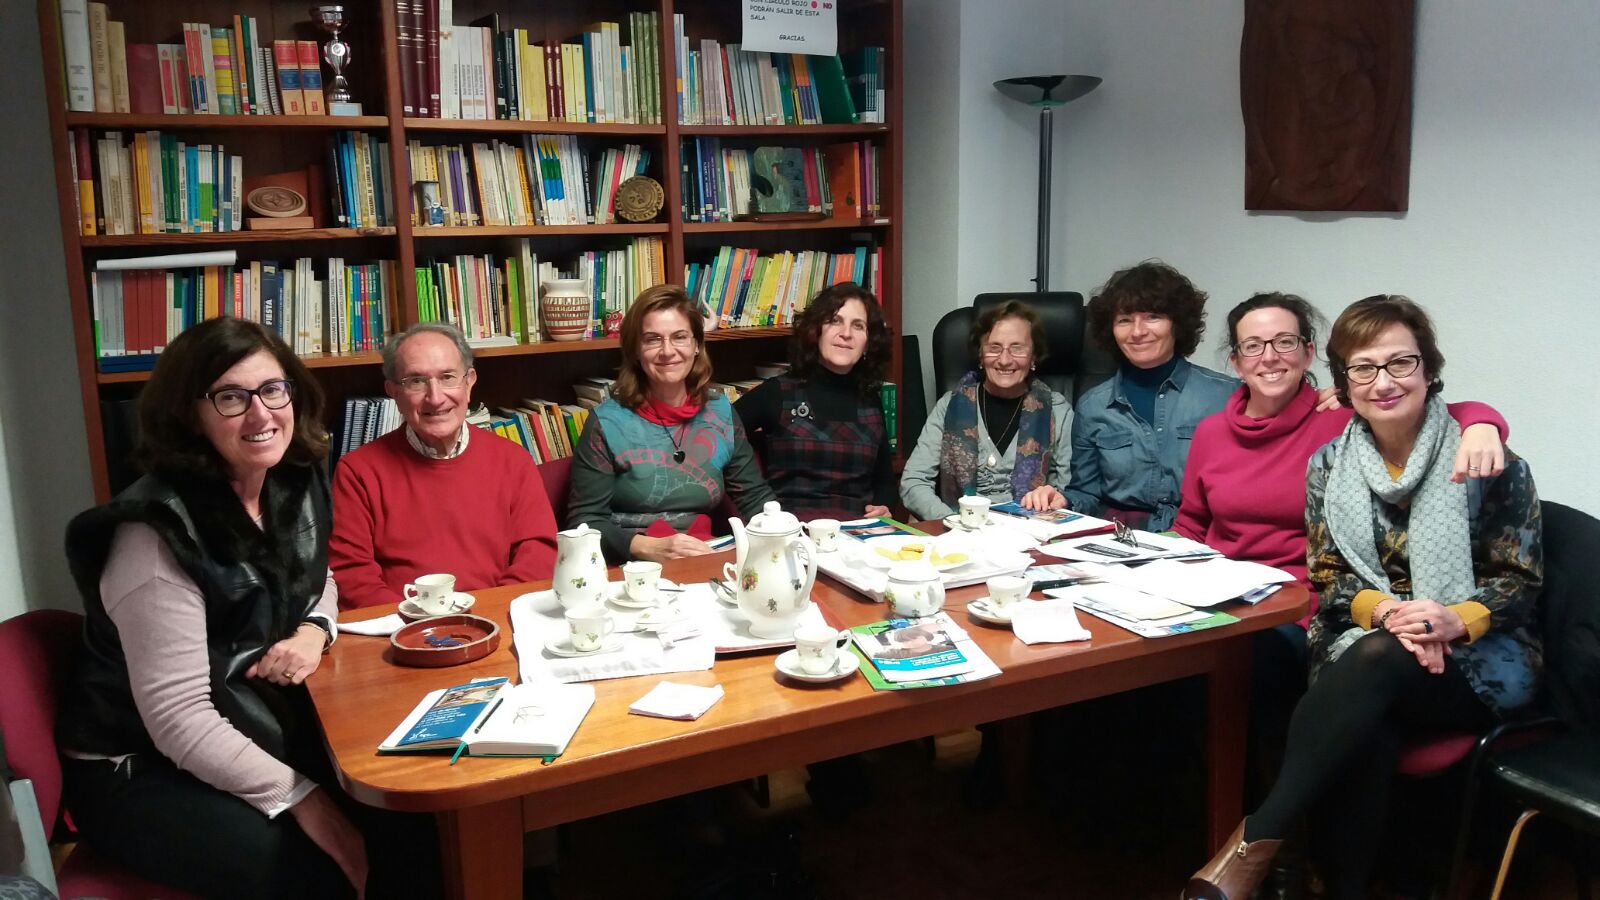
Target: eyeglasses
x=233 y=401
x=1399 y=367
x=680 y=341
x=1283 y=343
x=1015 y=351
x=416 y=384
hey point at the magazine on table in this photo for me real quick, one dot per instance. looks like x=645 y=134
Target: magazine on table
x=1140 y=613
x=1046 y=525
x=494 y=718
x=927 y=652
x=861 y=529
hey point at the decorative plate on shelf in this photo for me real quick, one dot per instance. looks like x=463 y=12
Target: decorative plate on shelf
x=639 y=199
x=444 y=641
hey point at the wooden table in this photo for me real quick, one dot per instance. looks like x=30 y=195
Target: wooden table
x=763 y=724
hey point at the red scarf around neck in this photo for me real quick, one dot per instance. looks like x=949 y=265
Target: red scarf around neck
x=653 y=410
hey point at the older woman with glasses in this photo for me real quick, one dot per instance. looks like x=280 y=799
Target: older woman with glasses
x=661 y=452
x=1002 y=433
x=192 y=753
x=1427 y=584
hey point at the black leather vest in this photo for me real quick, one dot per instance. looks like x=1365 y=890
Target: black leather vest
x=258 y=585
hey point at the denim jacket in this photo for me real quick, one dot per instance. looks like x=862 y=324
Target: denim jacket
x=1123 y=462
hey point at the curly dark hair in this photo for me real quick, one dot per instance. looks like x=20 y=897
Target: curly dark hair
x=1151 y=287
x=804 y=358
x=170 y=436
x=632 y=387
x=1361 y=323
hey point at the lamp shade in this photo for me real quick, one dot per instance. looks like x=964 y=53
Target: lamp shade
x=1047 y=90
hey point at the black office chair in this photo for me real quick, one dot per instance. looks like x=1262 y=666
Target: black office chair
x=913 y=399
x=1071 y=367
x=1558 y=776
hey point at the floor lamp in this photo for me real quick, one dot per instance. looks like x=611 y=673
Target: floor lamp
x=1046 y=92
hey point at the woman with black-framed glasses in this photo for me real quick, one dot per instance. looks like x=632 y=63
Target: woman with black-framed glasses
x=192 y=752
x=1426 y=581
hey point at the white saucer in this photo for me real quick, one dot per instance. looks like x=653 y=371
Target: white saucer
x=845 y=665
x=954 y=521
x=626 y=602
x=983 y=612
x=562 y=646
x=459 y=602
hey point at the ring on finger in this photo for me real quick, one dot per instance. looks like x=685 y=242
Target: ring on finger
x=1472 y=469
x=1427 y=626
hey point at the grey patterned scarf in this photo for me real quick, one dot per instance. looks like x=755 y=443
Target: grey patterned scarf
x=1437 y=540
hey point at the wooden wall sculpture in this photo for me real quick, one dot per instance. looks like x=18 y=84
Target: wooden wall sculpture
x=1325 y=87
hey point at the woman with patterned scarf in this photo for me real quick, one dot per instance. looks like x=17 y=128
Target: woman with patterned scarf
x=1427 y=598
x=1002 y=433
x=659 y=454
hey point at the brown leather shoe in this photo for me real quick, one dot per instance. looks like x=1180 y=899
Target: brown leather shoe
x=1235 y=871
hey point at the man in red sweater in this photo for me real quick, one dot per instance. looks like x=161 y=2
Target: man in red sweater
x=436 y=495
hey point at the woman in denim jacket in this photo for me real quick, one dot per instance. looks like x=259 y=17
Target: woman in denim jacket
x=1130 y=436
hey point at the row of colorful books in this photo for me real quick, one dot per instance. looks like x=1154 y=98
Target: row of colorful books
x=728 y=85
x=546 y=180
x=214 y=70
x=483 y=71
x=153 y=183
x=138 y=311
x=743 y=287
x=546 y=430
x=496 y=301
x=721 y=184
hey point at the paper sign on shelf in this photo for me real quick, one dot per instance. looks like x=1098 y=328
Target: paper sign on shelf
x=792 y=26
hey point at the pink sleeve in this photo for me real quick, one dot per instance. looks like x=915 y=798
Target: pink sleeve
x=351 y=553
x=1471 y=412
x=533 y=530
x=161 y=622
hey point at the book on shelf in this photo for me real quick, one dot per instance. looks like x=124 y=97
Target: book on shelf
x=722 y=184
x=210 y=70
x=360 y=180
x=543 y=179
x=365 y=420
x=481 y=70
x=887 y=396
x=494 y=718
x=137 y=311
x=724 y=84
x=742 y=287
x=902 y=654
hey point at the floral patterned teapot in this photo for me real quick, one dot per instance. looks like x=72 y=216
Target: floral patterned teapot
x=774 y=568
x=580 y=575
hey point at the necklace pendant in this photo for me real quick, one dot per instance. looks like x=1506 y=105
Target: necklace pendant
x=992 y=460
x=677 y=456
x=803 y=411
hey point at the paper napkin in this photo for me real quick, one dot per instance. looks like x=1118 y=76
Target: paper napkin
x=1047 y=622
x=383 y=626
x=670 y=700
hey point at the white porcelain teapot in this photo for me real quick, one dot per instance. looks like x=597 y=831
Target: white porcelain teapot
x=774 y=568
x=580 y=575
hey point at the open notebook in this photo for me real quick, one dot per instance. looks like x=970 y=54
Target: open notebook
x=494 y=718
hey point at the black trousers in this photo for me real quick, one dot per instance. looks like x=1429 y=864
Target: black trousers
x=164 y=824
x=1344 y=742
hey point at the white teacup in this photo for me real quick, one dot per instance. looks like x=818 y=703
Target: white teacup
x=825 y=533
x=642 y=580
x=590 y=624
x=1006 y=592
x=433 y=594
x=974 y=511
x=818 y=647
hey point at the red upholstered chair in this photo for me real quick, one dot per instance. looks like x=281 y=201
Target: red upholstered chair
x=38 y=652
x=557 y=477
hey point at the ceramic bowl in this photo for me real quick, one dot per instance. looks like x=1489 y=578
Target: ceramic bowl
x=444 y=641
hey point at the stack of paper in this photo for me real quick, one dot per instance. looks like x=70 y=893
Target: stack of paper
x=1140 y=613
x=1146 y=546
x=939 y=653
x=1202 y=583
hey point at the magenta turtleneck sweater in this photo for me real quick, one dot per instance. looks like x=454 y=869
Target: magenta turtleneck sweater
x=1244 y=485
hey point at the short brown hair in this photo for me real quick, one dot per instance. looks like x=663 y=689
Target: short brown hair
x=804 y=358
x=633 y=386
x=994 y=315
x=1150 y=287
x=1361 y=323
x=170 y=436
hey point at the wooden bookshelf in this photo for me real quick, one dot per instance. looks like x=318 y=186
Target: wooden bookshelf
x=280 y=143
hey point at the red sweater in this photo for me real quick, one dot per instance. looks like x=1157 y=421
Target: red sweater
x=1244 y=485
x=482 y=517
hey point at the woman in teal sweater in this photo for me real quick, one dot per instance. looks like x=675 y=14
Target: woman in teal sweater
x=659 y=454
